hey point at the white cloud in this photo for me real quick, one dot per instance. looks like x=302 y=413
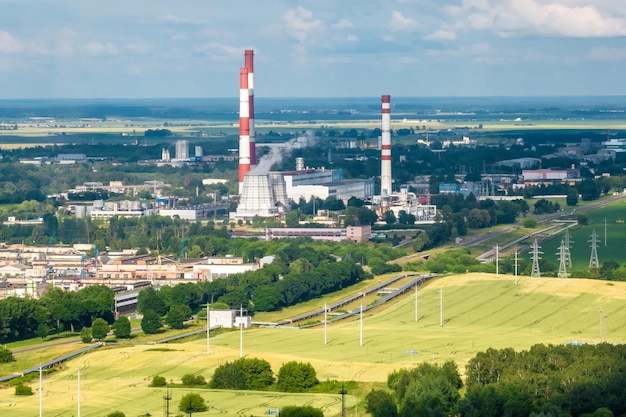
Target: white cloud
x=352 y=38
x=564 y=18
x=603 y=53
x=177 y=20
x=441 y=35
x=400 y=23
x=343 y=24
x=138 y=48
x=100 y=49
x=8 y=44
x=300 y=24
x=219 y=52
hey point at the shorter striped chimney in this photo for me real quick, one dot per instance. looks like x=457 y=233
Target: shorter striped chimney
x=385 y=164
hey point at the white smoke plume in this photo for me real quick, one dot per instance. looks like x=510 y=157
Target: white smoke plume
x=278 y=150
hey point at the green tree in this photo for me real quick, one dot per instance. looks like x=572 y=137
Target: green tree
x=192 y=402
x=151 y=322
x=380 y=404
x=572 y=197
x=121 y=328
x=6 y=355
x=42 y=330
x=116 y=413
x=149 y=299
x=244 y=373
x=175 y=318
x=296 y=377
x=99 y=329
x=85 y=335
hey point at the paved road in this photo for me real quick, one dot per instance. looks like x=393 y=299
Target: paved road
x=65 y=342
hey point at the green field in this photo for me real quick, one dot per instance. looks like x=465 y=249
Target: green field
x=479 y=311
x=615 y=250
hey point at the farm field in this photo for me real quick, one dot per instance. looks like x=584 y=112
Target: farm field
x=479 y=311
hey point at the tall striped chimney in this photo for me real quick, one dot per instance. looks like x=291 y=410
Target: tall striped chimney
x=249 y=64
x=385 y=164
x=244 y=127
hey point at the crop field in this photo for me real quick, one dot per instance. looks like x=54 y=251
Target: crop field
x=615 y=249
x=479 y=311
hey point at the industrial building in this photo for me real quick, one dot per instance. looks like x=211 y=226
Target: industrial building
x=268 y=194
x=335 y=234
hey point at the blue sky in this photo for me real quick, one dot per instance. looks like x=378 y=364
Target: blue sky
x=317 y=48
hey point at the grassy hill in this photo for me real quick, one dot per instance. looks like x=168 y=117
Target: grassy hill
x=479 y=311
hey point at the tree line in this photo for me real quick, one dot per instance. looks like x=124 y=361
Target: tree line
x=554 y=380
x=56 y=310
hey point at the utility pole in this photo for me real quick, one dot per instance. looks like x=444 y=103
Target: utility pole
x=167 y=399
x=40 y=391
x=441 y=307
x=416 y=312
x=325 y=334
x=516 y=279
x=78 y=392
x=361 y=322
x=343 y=401
x=497 y=262
x=208 y=328
x=241 y=332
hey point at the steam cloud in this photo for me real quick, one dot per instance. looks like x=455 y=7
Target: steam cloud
x=277 y=151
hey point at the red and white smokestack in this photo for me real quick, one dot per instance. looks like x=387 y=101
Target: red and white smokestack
x=249 y=64
x=244 y=127
x=385 y=164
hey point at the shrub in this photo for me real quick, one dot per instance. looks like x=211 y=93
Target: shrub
x=6 y=355
x=304 y=411
x=21 y=389
x=85 y=335
x=529 y=222
x=116 y=413
x=158 y=381
x=191 y=379
x=296 y=377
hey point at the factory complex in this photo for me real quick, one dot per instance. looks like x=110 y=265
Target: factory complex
x=267 y=194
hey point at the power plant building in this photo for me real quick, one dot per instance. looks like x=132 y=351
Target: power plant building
x=262 y=195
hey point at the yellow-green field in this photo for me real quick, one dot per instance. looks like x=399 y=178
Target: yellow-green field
x=479 y=311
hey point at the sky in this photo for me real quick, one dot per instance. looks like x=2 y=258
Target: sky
x=316 y=48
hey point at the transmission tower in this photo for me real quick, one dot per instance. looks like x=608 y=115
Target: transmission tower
x=568 y=249
x=536 y=252
x=562 y=260
x=593 y=261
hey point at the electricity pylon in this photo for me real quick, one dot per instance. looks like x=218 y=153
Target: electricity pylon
x=536 y=273
x=593 y=261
